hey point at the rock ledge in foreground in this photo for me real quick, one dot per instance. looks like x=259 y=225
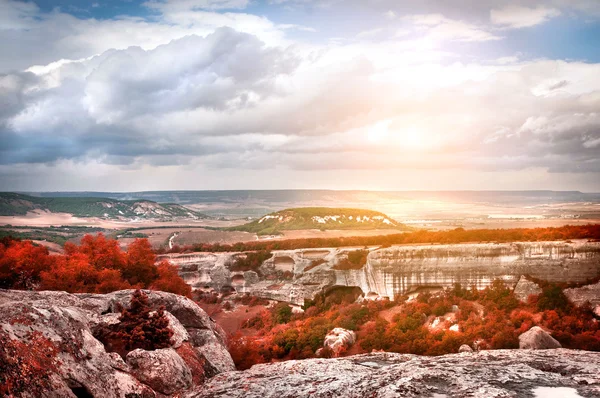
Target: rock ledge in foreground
x=500 y=373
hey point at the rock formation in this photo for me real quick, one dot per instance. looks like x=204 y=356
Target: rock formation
x=51 y=334
x=465 y=348
x=296 y=275
x=526 y=288
x=589 y=294
x=339 y=340
x=537 y=338
x=500 y=373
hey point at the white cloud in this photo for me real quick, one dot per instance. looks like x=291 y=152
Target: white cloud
x=181 y=95
x=191 y=5
x=438 y=27
x=522 y=17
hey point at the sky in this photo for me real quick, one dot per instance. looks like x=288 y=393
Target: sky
x=133 y=95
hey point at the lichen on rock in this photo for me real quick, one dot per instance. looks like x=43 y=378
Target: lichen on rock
x=74 y=360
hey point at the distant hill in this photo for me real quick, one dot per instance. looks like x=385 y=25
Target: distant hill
x=324 y=218
x=13 y=204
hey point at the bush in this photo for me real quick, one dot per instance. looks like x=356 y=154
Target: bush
x=356 y=260
x=139 y=327
x=552 y=298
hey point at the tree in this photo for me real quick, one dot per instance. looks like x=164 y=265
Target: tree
x=552 y=298
x=170 y=281
x=140 y=263
x=101 y=252
x=73 y=274
x=21 y=263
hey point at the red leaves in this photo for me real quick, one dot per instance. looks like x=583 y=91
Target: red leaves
x=492 y=315
x=21 y=264
x=140 y=327
x=169 y=280
x=458 y=235
x=25 y=366
x=98 y=265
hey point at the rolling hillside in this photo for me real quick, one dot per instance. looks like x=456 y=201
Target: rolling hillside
x=323 y=218
x=13 y=204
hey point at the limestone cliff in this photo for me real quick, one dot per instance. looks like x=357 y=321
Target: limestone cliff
x=296 y=275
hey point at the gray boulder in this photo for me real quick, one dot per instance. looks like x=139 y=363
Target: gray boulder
x=163 y=370
x=465 y=348
x=525 y=288
x=537 y=338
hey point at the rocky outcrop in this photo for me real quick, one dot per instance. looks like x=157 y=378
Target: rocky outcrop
x=53 y=335
x=163 y=370
x=296 y=275
x=586 y=294
x=465 y=348
x=500 y=373
x=537 y=338
x=339 y=340
x=526 y=288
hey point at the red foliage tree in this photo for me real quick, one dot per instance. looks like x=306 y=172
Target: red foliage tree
x=170 y=281
x=21 y=264
x=98 y=265
x=140 y=266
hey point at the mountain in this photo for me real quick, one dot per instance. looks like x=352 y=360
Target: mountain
x=13 y=204
x=324 y=218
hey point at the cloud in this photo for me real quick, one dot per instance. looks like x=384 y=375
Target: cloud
x=438 y=27
x=179 y=94
x=191 y=5
x=33 y=37
x=522 y=17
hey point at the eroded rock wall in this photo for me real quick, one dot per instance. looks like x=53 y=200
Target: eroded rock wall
x=295 y=275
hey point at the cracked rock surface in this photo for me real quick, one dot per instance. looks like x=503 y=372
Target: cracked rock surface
x=77 y=361
x=499 y=373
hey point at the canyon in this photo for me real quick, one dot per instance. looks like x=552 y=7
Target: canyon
x=297 y=275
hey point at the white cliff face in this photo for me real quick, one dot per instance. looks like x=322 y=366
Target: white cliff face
x=296 y=275
x=397 y=270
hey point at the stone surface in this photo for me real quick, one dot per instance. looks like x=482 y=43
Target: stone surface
x=465 y=348
x=296 y=275
x=537 y=338
x=339 y=340
x=163 y=370
x=487 y=374
x=180 y=333
x=525 y=288
x=65 y=322
x=217 y=358
x=588 y=293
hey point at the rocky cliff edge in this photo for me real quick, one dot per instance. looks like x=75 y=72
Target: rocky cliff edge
x=48 y=339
